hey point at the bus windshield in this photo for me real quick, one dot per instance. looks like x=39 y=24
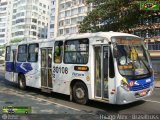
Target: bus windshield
x=132 y=58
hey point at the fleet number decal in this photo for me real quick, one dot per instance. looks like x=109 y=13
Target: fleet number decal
x=59 y=70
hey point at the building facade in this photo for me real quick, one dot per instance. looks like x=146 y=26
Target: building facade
x=30 y=19
x=5 y=21
x=51 y=27
x=66 y=15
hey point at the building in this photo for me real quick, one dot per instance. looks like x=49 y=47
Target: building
x=30 y=19
x=51 y=27
x=69 y=14
x=5 y=21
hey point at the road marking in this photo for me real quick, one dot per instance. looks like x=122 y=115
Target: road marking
x=152 y=101
x=40 y=99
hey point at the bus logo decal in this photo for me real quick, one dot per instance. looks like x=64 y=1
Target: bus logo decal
x=136 y=83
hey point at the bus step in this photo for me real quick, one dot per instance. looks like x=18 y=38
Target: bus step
x=47 y=90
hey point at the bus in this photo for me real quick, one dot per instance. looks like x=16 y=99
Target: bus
x=109 y=67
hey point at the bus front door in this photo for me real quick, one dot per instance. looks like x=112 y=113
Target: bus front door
x=101 y=55
x=46 y=71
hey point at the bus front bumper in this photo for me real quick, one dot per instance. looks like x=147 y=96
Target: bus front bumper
x=125 y=97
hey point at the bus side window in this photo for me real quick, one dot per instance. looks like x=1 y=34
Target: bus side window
x=33 y=52
x=22 y=53
x=111 y=65
x=76 y=51
x=8 y=53
x=58 y=51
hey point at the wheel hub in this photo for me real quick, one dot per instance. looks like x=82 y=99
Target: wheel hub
x=80 y=93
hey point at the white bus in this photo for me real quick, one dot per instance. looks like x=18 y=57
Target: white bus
x=106 y=66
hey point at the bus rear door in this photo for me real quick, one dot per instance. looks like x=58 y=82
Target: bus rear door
x=46 y=69
x=14 y=75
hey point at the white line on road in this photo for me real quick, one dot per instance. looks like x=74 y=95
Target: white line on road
x=152 y=101
x=54 y=103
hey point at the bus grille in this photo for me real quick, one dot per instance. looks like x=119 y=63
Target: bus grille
x=140 y=87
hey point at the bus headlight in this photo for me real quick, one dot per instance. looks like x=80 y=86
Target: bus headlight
x=125 y=85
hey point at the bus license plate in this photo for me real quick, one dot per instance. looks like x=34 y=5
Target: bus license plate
x=142 y=93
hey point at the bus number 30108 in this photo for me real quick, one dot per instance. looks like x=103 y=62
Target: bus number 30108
x=63 y=70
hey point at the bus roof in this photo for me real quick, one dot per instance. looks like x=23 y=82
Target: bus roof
x=80 y=35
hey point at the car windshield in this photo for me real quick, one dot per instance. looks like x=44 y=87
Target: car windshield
x=132 y=58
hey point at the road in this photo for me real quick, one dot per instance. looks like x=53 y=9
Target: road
x=45 y=105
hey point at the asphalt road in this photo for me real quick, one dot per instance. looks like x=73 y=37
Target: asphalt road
x=45 y=105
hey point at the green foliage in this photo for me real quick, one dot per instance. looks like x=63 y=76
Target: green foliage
x=2 y=46
x=118 y=15
x=16 y=40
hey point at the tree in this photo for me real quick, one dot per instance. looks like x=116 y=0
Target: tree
x=16 y=40
x=114 y=15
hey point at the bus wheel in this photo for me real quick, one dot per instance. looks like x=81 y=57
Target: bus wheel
x=22 y=82
x=80 y=93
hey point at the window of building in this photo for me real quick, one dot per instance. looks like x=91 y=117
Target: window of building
x=19 y=21
x=44 y=6
x=62 y=14
x=62 y=6
x=68 y=4
x=74 y=11
x=81 y=9
x=74 y=21
x=154 y=46
x=52 y=26
x=2 y=35
x=33 y=52
x=157 y=32
x=8 y=53
x=58 y=51
x=67 y=30
x=68 y=13
x=33 y=27
x=76 y=51
x=19 y=33
x=61 y=23
x=67 y=21
x=34 y=20
x=2 y=30
x=61 y=32
x=22 y=53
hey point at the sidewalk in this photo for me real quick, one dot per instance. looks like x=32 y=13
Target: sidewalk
x=157 y=82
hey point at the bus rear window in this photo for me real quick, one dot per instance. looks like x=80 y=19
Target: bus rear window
x=22 y=53
x=33 y=52
x=8 y=53
x=76 y=51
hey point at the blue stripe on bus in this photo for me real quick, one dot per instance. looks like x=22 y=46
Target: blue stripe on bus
x=23 y=67
x=19 y=67
x=9 y=66
x=141 y=83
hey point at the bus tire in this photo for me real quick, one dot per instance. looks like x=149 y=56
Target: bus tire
x=22 y=82
x=80 y=93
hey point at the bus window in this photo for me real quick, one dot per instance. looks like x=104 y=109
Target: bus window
x=22 y=53
x=58 y=51
x=33 y=52
x=76 y=51
x=8 y=53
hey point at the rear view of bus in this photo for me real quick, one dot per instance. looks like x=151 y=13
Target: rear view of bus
x=134 y=76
